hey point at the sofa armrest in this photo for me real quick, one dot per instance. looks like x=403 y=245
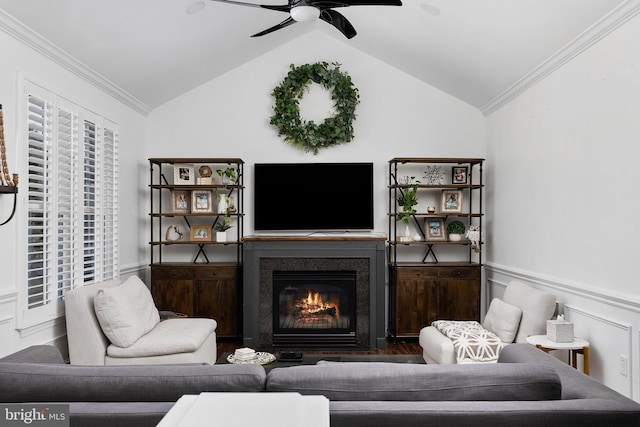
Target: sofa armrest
x=36 y=354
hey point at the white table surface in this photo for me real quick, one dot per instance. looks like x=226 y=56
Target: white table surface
x=545 y=342
x=244 y=409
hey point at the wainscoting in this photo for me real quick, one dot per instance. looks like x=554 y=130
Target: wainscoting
x=608 y=321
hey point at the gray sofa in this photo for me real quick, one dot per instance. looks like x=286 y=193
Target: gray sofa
x=527 y=387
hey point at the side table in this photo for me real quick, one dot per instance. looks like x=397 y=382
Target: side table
x=577 y=346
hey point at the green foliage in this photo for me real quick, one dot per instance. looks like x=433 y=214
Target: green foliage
x=223 y=225
x=456 y=227
x=308 y=135
x=228 y=174
x=408 y=199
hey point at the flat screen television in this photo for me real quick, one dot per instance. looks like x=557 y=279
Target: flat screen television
x=313 y=196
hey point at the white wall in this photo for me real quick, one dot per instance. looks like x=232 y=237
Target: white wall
x=562 y=197
x=20 y=61
x=398 y=116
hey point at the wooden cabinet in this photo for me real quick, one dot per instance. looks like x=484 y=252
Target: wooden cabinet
x=199 y=290
x=432 y=276
x=193 y=271
x=423 y=294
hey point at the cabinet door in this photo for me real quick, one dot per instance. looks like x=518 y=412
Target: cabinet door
x=459 y=293
x=216 y=297
x=416 y=299
x=173 y=288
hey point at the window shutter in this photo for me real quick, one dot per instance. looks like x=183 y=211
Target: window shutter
x=66 y=195
x=72 y=224
x=110 y=201
x=39 y=231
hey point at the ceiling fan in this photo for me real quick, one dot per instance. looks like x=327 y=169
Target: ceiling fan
x=309 y=10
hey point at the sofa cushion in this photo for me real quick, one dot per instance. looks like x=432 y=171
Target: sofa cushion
x=503 y=320
x=537 y=307
x=30 y=382
x=126 y=312
x=171 y=336
x=413 y=382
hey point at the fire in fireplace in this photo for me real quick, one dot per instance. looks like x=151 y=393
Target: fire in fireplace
x=314 y=308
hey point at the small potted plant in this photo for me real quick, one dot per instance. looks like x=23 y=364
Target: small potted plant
x=227 y=175
x=221 y=228
x=455 y=229
x=407 y=199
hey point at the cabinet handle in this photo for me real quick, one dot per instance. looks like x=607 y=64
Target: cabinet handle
x=459 y=273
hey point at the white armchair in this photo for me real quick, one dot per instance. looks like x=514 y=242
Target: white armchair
x=117 y=323
x=522 y=312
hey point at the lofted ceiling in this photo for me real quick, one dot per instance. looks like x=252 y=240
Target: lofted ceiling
x=155 y=50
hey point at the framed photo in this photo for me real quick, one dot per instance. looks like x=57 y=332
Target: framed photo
x=460 y=175
x=202 y=201
x=434 y=229
x=200 y=233
x=451 y=201
x=183 y=175
x=181 y=201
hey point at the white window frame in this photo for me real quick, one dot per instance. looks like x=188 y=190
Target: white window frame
x=70 y=263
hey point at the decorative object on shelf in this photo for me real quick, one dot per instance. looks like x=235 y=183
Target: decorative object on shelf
x=417 y=237
x=307 y=135
x=228 y=175
x=435 y=229
x=201 y=201
x=173 y=234
x=183 y=175
x=431 y=210
x=223 y=203
x=407 y=235
x=221 y=228
x=459 y=175
x=455 y=229
x=231 y=205
x=200 y=233
x=181 y=201
x=8 y=182
x=451 y=201
x=434 y=175
x=205 y=173
x=474 y=236
x=408 y=198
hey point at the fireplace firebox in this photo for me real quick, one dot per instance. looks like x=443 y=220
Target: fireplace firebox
x=312 y=308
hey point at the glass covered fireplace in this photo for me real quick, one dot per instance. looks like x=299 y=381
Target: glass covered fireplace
x=312 y=308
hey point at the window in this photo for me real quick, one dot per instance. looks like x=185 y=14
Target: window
x=72 y=229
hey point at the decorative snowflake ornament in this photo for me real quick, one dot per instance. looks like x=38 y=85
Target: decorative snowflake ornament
x=434 y=175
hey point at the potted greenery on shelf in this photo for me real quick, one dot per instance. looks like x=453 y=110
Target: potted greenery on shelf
x=456 y=230
x=221 y=228
x=227 y=175
x=407 y=200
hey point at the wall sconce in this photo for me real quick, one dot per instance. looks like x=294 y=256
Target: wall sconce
x=8 y=182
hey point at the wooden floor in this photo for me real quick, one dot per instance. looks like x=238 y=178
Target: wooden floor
x=398 y=347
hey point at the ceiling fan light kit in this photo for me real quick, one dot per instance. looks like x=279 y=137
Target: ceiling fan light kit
x=310 y=10
x=305 y=13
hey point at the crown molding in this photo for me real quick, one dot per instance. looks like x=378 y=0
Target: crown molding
x=617 y=17
x=35 y=41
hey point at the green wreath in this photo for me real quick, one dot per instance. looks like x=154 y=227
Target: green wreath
x=308 y=135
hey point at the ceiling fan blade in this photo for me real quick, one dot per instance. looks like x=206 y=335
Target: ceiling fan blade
x=347 y=3
x=283 y=8
x=283 y=24
x=339 y=21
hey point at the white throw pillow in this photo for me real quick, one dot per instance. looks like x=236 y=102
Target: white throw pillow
x=503 y=320
x=126 y=312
